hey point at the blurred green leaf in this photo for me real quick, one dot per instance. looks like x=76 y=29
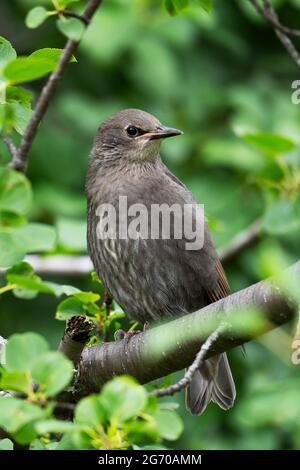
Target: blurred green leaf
x=73 y=28
x=22 y=350
x=6 y=444
x=205 y=4
x=35 y=17
x=71 y=233
x=15 y=381
x=7 y=52
x=170 y=425
x=170 y=7
x=65 y=3
x=11 y=251
x=123 y=398
x=19 y=95
x=22 y=115
x=15 y=414
x=36 y=237
x=281 y=217
x=15 y=191
x=52 y=371
x=270 y=143
x=53 y=426
x=90 y=411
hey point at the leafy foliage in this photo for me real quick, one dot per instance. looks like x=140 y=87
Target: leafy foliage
x=118 y=417
x=191 y=65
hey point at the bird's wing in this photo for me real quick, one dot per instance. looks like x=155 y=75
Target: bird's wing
x=221 y=289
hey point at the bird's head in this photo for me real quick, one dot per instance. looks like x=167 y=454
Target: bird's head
x=131 y=134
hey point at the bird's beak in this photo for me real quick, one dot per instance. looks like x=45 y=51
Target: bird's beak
x=162 y=132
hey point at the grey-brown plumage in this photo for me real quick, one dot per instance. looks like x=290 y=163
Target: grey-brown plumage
x=153 y=279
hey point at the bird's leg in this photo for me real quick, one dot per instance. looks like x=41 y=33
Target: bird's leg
x=126 y=335
x=108 y=301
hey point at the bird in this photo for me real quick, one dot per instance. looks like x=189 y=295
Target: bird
x=152 y=279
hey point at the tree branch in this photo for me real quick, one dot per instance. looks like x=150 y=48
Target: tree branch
x=19 y=161
x=268 y=12
x=173 y=346
x=241 y=242
x=76 y=335
x=188 y=376
x=10 y=145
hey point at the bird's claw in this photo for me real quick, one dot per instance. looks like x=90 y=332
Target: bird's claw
x=126 y=335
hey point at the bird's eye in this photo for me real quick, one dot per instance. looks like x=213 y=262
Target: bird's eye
x=132 y=131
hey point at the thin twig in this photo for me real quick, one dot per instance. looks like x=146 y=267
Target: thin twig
x=73 y=14
x=190 y=372
x=241 y=242
x=274 y=21
x=10 y=145
x=19 y=161
x=282 y=32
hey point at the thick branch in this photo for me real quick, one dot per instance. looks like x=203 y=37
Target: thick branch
x=173 y=346
x=76 y=335
x=19 y=161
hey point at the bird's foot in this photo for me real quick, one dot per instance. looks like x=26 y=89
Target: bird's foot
x=126 y=335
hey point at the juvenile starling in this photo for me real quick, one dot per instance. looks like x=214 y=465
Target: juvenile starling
x=153 y=279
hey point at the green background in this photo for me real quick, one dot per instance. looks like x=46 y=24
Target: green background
x=216 y=76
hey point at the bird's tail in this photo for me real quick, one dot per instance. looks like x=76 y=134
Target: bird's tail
x=212 y=382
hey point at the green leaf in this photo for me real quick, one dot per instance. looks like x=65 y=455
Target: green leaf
x=35 y=17
x=7 y=118
x=22 y=115
x=71 y=27
x=71 y=233
x=50 y=53
x=15 y=381
x=32 y=283
x=6 y=444
x=170 y=425
x=22 y=350
x=123 y=398
x=23 y=269
x=27 y=69
x=270 y=143
x=7 y=52
x=16 y=413
x=60 y=289
x=15 y=191
x=90 y=411
x=53 y=371
x=170 y=7
x=11 y=251
x=181 y=4
x=65 y=3
x=53 y=426
x=19 y=95
x=36 y=237
x=10 y=219
x=282 y=217
x=205 y=4
x=86 y=297
x=68 y=308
